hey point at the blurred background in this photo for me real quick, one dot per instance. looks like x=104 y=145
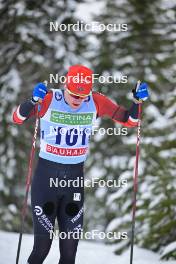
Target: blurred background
x=29 y=52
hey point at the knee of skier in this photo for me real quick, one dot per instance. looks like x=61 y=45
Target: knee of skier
x=48 y=208
x=72 y=209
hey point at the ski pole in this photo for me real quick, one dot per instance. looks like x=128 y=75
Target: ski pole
x=135 y=177
x=28 y=181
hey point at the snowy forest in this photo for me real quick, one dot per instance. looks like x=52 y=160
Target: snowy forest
x=30 y=52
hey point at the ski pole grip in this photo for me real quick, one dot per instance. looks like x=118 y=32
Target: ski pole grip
x=137 y=85
x=140 y=101
x=45 y=82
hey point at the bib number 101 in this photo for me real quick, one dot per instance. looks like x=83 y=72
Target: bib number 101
x=72 y=136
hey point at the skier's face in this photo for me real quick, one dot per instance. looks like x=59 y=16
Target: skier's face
x=73 y=100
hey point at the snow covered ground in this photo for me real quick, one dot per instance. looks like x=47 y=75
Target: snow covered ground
x=88 y=252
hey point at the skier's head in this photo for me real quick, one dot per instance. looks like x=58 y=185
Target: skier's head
x=78 y=85
x=79 y=80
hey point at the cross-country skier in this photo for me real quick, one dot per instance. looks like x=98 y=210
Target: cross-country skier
x=66 y=118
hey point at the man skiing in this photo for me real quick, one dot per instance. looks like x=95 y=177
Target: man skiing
x=66 y=119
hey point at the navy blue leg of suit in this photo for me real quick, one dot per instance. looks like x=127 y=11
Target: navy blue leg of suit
x=50 y=202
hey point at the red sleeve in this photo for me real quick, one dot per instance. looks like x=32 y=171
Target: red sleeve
x=106 y=107
x=46 y=103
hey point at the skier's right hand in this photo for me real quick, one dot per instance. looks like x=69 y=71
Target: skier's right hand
x=39 y=92
x=140 y=93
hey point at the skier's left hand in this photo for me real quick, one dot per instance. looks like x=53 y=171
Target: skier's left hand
x=141 y=93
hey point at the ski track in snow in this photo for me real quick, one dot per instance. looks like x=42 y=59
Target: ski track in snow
x=88 y=252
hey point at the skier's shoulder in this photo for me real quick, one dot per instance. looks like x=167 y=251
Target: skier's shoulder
x=99 y=98
x=105 y=106
x=98 y=95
